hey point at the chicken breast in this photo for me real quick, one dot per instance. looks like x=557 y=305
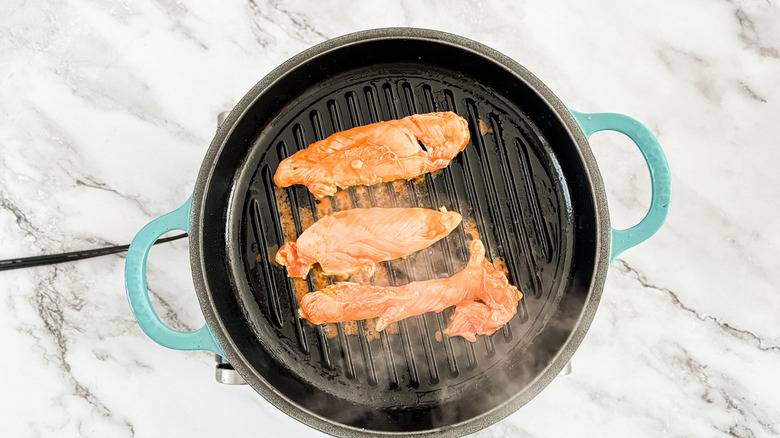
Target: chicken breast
x=483 y=297
x=379 y=152
x=348 y=241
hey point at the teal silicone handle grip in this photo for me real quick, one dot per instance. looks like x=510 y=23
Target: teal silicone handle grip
x=138 y=294
x=660 y=177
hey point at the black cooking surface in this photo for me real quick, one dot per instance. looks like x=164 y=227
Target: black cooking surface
x=507 y=185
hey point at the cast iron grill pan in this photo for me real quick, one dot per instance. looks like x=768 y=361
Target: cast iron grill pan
x=512 y=186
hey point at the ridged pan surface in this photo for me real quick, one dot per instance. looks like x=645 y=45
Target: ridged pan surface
x=512 y=186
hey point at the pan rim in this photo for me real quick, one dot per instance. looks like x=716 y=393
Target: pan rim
x=219 y=142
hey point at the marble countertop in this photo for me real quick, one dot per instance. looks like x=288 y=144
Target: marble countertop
x=106 y=111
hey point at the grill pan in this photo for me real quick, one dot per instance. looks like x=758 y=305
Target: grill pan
x=526 y=184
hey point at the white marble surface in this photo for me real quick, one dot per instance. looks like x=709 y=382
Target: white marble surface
x=106 y=110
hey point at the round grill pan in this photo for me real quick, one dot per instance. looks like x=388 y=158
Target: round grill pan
x=526 y=184
x=513 y=184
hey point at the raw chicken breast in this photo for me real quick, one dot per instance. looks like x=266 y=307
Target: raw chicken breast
x=352 y=240
x=379 y=152
x=483 y=297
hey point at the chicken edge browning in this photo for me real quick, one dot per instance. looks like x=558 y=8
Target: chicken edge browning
x=483 y=298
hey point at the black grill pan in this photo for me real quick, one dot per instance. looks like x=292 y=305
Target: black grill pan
x=526 y=183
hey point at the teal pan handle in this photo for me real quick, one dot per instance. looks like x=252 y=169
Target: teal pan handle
x=660 y=177
x=138 y=294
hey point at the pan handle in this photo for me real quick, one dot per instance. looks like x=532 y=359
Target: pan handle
x=660 y=177
x=138 y=294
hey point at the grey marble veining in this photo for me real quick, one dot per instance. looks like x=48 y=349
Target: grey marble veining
x=106 y=110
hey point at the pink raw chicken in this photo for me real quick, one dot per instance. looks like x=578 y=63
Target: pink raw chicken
x=483 y=297
x=348 y=241
x=375 y=153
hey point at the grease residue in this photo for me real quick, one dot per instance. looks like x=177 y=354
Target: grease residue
x=360 y=277
x=330 y=329
x=363 y=197
x=382 y=195
x=307 y=219
x=392 y=328
x=301 y=288
x=500 y=265
x=318 y=279
x=271 y=254
x=288 y=229
x=324 y=207
x=483 y=127
x=470 y=228
x=369 y=326
x=350 y=327
x=402 y=193
x=342 y=200
x=285 y=215
x=380 y=275
x=421 y=191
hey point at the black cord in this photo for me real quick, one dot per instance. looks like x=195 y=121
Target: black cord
x=29 y=262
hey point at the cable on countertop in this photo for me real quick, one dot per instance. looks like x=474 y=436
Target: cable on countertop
x=50 y=259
